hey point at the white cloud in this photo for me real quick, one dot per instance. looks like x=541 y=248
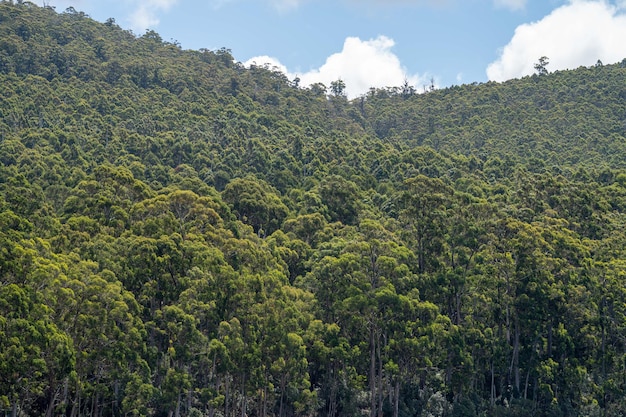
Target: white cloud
x=62 y=5
x=286 y=5
x=279 y=5
x=270 y=62
x=511 y=4
x=361 y=65
x=579 y=33
x=143 y=18
x=217 y=4
x=145 y=15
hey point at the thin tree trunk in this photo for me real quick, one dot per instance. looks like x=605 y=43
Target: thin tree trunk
x=189 y=397
x=550 y=339
x=216 y=384
x=244 y=400
x=94 y=405
x=116 y=403
x=50 y=410
x=380 y=378
x=75 y=406
x=372 y=374
x=603 y=345
x=265 y=401
x=493 y=385
x=227 y=398
x=514 y=368
x=421 y=263
x=396 y=399
x=332 y=396
x=283 y=384
x=178 y=405
x=65 y=394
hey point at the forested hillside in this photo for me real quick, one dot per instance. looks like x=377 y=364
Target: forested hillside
x=183 y=236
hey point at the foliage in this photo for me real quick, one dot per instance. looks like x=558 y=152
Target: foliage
x=183 y=236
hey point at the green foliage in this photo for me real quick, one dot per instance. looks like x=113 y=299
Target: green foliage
x=255 y=204
x=180 y=235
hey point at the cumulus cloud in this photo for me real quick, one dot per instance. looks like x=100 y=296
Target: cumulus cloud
x=270 y=62
x=361 y=65
x=511 y=4
x=579 y=33
x=145 y=14
x=286 y=5
x=279 y=5
x=217 y=4
x=61 y=5
x=143 y=18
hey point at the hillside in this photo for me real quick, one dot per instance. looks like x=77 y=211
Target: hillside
x=181 y=235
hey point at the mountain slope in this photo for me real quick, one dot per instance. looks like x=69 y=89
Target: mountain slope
x=180 y=235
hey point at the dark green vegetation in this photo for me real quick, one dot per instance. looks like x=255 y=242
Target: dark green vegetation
x=180 y=235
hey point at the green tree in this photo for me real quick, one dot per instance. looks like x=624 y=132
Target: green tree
x=341 y=196
x=36 y=354
x=256 y=204
x=338 y=87
x=424 y=209
x=541 y=65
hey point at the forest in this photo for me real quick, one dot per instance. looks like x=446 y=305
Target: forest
x=181 y=235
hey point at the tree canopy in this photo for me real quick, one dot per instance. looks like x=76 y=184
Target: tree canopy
x=184 y=236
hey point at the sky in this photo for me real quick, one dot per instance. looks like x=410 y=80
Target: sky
x=383 y=43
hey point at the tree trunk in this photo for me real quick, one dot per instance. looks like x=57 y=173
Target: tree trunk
x=372 y=373
x=380 y=378
x=550 y=339
x=332 y=396
x=421 y=263
x=75 y=406
x=264 y=402
x=116 y=403
x=244 y=400
x=52 y=402
x=227 y=398
x=189 y=398
x=94 y=406
x=514 y=368
x=603 y=330
x=396 y=399
x=283 y=384
x=493 y=385
x=457 y=300
x=178 y=405
x=65 y=394
x=216 y=384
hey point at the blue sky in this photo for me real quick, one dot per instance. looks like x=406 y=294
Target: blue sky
x=377 y=43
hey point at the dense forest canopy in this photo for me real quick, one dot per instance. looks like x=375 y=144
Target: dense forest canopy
x=183 y=236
